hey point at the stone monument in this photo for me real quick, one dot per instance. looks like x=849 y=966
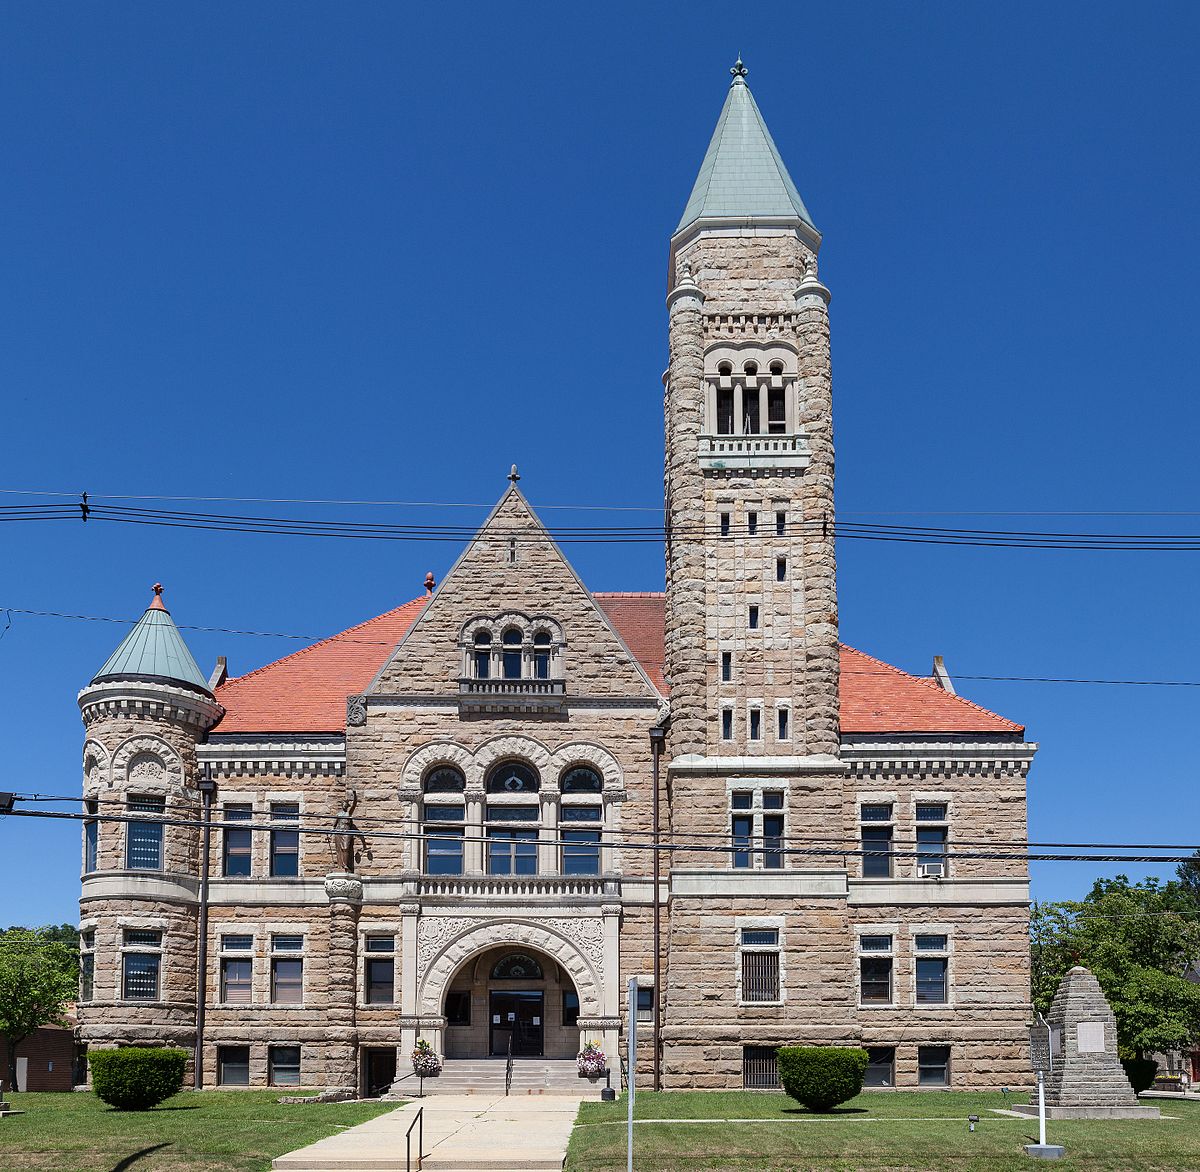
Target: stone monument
x=1086 y=1079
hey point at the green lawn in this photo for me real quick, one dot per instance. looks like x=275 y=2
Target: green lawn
x=210 y=1131
x=898 y=1130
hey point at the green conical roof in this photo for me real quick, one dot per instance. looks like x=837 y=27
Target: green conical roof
x=155 y=651
x=743 y=174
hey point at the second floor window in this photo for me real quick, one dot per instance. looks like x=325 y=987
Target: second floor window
x=381 y=970
x=512 y=852
x=443 y=839
x=931 y=832
x=140 y=970
x=285 y=840
x=236 y=977
x=581 y=852
x=287 y=970
x=144 y=840
x=235 y=848
x=875 y=970
x=742 y=827
x=876 y=832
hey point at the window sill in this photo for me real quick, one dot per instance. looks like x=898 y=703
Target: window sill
x=761 y=1004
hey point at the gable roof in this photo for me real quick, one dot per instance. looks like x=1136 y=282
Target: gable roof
x=306 y=692
x=743 y=175
x=154 y=650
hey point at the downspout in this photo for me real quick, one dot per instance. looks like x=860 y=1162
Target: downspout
x=207 y=789
x=657 y=740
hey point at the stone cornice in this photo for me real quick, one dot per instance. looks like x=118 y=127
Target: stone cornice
x=697 y=765
x=932 y=756
x=275 y=756
x=149 y=701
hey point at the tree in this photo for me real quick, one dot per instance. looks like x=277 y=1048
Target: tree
x=1139 y=939
x=65 y=934
x=36 y=982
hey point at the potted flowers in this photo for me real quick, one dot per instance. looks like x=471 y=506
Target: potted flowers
x=592 y=1061
x=425 y=1061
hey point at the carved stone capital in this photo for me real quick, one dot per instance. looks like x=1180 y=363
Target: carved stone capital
x=341 y=887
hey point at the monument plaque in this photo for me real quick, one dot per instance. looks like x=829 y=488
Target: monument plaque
x=1089 y=1037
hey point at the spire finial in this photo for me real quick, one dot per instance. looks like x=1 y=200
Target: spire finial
x=514 y=475
x=430 y=582
x=739 y=72
x=156 y=603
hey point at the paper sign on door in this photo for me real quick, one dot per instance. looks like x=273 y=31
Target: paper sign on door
x=537 y=1021
x=495 y=1019
x=512 y=1017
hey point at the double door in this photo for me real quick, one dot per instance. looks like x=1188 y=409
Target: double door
x=518 y=1016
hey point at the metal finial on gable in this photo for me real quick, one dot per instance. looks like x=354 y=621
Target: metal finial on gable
x=739 y=72
x=514 y=475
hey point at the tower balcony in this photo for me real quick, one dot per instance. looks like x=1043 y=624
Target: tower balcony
x=735 y=453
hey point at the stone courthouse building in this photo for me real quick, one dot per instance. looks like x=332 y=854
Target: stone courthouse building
x=440 y=823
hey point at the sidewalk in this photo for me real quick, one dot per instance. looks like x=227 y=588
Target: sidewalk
x=481 y=1133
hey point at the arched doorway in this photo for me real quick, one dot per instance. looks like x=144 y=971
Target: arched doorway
x=511 y=995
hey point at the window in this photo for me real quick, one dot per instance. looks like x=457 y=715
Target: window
x=753 y=618
x=91 y=837
x=512 y=777
x=772 y=856
x=482 y=657
x=510 y=656
x=931 y=844
x=139 y=975
x=780 y=523
x=743 y=830
x=727 y=724
x=875 y=970
x=582 y=779
x=144 y=841
x=750 y=410
x=87 y=964
x=930 y=812
x=541 y=655
x=283 y=1066
x=760 y=936
x=517 y=966
x=506 y=813
x=876 y=840
x=933 y=1066
x=512 y=852
x=580 y=814
x=742 y=800
x=726 y=666
x=881 y=1066
x=443 y=843
x=783 y=717
x=725 y=411
x=931 y=943
x=932 y=970
x=381 y=974
x=880 y=812
x=233 y=1066
x=581 y=852
x=756 y=724
x=458 y=1007
x=645 y=1004
x=235 y=850
x=237 y=943
x=381 y=944
x=285 y=844
x=287 y=972
x=773 y=799
x=776 y=411
x=236 y=978
x=760 y=976
x=445 y=779
x=781 y=569
x=570 y=1007
x=724 y=524
x=752 y=523
x=760 y=1068
x=287 y=943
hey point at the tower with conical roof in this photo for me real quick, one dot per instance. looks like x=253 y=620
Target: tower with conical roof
x=144 y=712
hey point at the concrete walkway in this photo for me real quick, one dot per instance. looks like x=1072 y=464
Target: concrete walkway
x=476 y=1132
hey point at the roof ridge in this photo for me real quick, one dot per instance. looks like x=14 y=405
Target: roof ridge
x=935 y=686
x=323 y=642
x=629 y=594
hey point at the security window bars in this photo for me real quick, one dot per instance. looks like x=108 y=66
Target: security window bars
x=381 y=976
x=760 y=976
x=144 y=840
x=235 y=851
x=141 y=938
x=875 y=812
x=875 y=980
x=287 y=980
x=139 y=976
x=875 y=944
x=285 y=842
x=233 y=1066
x=931 y=812
x=760 y=1068
x=91 y=837
x=881 y=1067
x=931 y=943
x=512 y=852
x=581 y=852
x=931 y=980
x=283 y=1066
x=236 y=976
x=743 y=829
x=933 y=1066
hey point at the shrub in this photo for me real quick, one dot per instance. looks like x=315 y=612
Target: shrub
x=134 y=1078
x=1140 y=1072
x=821 y=1077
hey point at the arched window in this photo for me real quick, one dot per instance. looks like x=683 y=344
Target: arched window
x=445 y=779
x=581 y=779
x=517 y=966
x=751 y=367
x=541 y=655
x=777 y=368
x=512 y=653
x=512 y=777
x=725 y=368
x=483 y=654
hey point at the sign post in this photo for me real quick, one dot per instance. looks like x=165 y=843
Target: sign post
x=1045 y=1045
x=632 y=1055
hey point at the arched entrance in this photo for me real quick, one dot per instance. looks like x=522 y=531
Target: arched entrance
x=511 y=996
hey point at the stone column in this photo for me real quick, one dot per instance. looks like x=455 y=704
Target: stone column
x=821 y=657
x=341 y=1050
x=473 y=831
x=686 y=669
x=548 y=852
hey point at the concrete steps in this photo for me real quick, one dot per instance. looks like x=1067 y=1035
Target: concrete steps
x=531 y=1076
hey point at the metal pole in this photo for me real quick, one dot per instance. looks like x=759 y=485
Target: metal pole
x=207 y=789
x=657 y=737
x=1041 y=1110
x=633 y=991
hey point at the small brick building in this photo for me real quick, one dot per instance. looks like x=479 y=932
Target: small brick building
x=51 y=1061
x=488 y=753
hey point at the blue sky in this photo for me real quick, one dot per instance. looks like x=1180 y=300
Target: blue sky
x=381 y=252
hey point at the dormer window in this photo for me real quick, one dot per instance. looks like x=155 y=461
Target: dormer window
x=512 y=660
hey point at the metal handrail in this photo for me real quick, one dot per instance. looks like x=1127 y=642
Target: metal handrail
x=508 y=1069
x=419 y=1124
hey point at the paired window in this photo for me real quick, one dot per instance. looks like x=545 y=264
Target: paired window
x=144 y=840
x=380 y=976
x=875 y=970
x=91 y=837
x=235 y=845
x=141 y=960
x=743 y=822
x=759 y=949
x=287 y=970
x=285 y=839
x=876 y=830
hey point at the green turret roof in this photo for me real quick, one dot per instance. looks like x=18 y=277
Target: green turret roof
x=743 y=175
x=154 y=651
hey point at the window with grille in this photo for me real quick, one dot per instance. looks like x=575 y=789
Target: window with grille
x=233 y=1066
x=236 y=978
x=933 y=1066
x=139 y=978
x=285 y=842
x=881 y=1067
x=142 y=938
x=760 y=935
x=760 y=1068
x=144 y=840
x=760 y=976
x=235 y=850
x=283 y=1066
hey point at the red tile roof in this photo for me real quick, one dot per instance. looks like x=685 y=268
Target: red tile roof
x=306 y=692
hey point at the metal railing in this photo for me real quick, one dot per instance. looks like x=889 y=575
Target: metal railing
x=508 y=1067
x=419 y=1124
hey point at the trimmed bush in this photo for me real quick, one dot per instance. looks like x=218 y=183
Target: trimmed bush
x=135 y=1078
x=1141 y=1073
x=821 y=1077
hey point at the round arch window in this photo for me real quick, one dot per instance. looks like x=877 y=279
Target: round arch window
x=512 y=777
x=582 y=779
x=445 y=779
x=517 y=966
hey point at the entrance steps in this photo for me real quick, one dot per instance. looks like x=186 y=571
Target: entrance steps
x=485 y=1076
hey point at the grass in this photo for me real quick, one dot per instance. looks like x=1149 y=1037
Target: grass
x=918 y=1131
x=206 y=1131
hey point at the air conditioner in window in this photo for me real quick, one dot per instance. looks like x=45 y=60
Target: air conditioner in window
x=931 y=870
